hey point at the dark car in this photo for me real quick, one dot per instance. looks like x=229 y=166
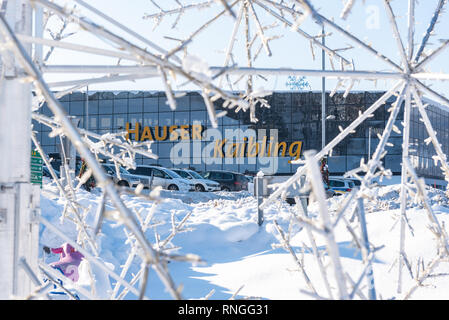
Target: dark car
x=228 y=180
x=46 y=172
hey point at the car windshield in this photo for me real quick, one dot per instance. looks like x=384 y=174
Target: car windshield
x=172 y=174
x=141 y=171
x=109 y=167
x=183 y=174
x=357 y=182
x=112 y=168
x=206 y=175
x=195 y=174
x=336 y=183
x=124 y=171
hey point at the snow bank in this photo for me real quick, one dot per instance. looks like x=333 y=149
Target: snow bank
x=223 y=231
x=198 y=197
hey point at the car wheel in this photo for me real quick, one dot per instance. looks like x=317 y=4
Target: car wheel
x=123 y=183
x=225 y=189
x=199 y=188
x=173 y=187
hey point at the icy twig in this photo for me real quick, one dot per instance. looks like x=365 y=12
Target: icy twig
x=347 y=9
x=332 y=247
x=437 y=13
x=286 y=245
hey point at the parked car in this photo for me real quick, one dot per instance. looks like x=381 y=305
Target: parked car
x=201 y=184
x=341 y=185
x=166 y=178
x=56 y=164
x=357 y=182
x=46 y=172
x=228 y=180
x=250 y=183
x=292 y=192
x=126 y=178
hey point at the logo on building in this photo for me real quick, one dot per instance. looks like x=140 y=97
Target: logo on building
x=197 y=145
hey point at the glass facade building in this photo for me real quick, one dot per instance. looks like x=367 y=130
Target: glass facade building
x=292 y=117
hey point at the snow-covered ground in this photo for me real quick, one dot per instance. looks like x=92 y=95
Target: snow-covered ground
x=237 y=252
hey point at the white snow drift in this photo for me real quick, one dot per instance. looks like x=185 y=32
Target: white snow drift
x=239 y=254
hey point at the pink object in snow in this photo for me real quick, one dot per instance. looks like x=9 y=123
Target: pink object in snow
x=69 y=261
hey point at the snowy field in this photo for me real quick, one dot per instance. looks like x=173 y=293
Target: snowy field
x=238 y=254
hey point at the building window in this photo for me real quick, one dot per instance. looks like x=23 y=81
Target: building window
x=135 y=105
x=120 y=106
x=105 y=122
x=150 y=104
x=105 y=106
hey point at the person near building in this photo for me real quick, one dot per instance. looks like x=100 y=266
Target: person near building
x=90 y=183
x=324 y=171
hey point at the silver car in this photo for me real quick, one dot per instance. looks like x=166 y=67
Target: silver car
x=201 y=184
x=166 y=178
x=126 y=179
x=341 y=185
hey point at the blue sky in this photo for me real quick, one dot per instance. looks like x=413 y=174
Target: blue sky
x=368 y=21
